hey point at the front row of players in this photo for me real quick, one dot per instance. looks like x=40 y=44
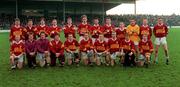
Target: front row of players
x=99 y=52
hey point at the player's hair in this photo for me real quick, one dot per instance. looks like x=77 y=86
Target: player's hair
x=42 y=33
x=83 y=16
x=29 y=20
x=42 y=18
x=96 y=18
x=17 y=19
x=54 y=19
x=108 y=18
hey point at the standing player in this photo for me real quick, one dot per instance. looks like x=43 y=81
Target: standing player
x=146 y=49
x=145 y=29
x=42 y=28
x=121 y=31
x=42 y=48
x=17 y=30
x=129 y=50
x=57 y=51
x=160 y=32
x=133 y=31
x=30 y=29
x=86 y=50
x=96 y=29
x=30 y=47
x=114 y=46
x=54 y=29
x=17 y=50
x=84 y=27
x=71 y=46
x=108 y=29
x=69 y=28
x=100 y=49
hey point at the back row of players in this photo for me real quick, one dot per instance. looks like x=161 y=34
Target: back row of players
x=97 y=44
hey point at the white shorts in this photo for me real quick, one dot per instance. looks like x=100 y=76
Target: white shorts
x=19 y=59
x=136 y=43
x=141 y=57
x=40 y=56
x=159 y=41
x=115 y=55
x=85 y=55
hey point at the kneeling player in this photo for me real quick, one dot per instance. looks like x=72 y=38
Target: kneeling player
x=86 y=49
x=146 y=49
x=129 y=50
x=42 y=48
x=100 y=49
x=56 y=50
x=17 y=52
x=114 y=45
x=71 y=46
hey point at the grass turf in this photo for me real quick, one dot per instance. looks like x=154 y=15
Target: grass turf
x=159 y=75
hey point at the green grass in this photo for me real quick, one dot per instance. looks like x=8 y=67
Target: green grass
x=159 y=75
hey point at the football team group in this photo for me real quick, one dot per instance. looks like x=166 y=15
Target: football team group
x=97 y=45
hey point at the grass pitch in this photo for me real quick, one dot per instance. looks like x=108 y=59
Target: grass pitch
x=159 y=75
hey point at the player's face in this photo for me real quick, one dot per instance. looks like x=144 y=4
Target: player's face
x=145 y=22
x=30 y=23
x=160 y=21
x=121 y=24
x=113 y=35
x=54 y=22
x=56 y=37
x=86 y=36
x=69 y=21
x=17 y=22
x=108 y=21
x=96 y=21
x=84 y=19
x=132 y=22
x=101 y=37
x=43 y=36
x=70 y=37
x=127 y=37
x=42 y=22
x=17 y=38
x=145 y=38
x=31 y=37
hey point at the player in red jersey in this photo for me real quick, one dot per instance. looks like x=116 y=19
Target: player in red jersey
x=69 y=28
x=145 y=29
x=30 y=29
x=17 y=30
x=114 y=48
x=54 y=29
x=121 y=31
x=57 y=50
x=160 y=32
x=108 y=29
x=84 y=27
x=42 y=28
x=17 y=50
x=86 y=50
x=96 y=29
x=146 y=49
x=100 y=49
x=129 y=50
x=72 y=48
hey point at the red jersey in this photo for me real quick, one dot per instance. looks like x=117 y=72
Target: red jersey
x=121 y=33
x=96 y=30
x=71 y=45
x=160 y=30
x=69 y=30
x=145 y=30
x=42 y=29
x=30 y=30
x=107 y=30
x=100 y=46
x=128 y=46
x=17 y=31
x=84 y=28
x=56 y=47
x=145 y=47
x=86 y=45
x=114 y=45
x=54 y=29
x=17 y=48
